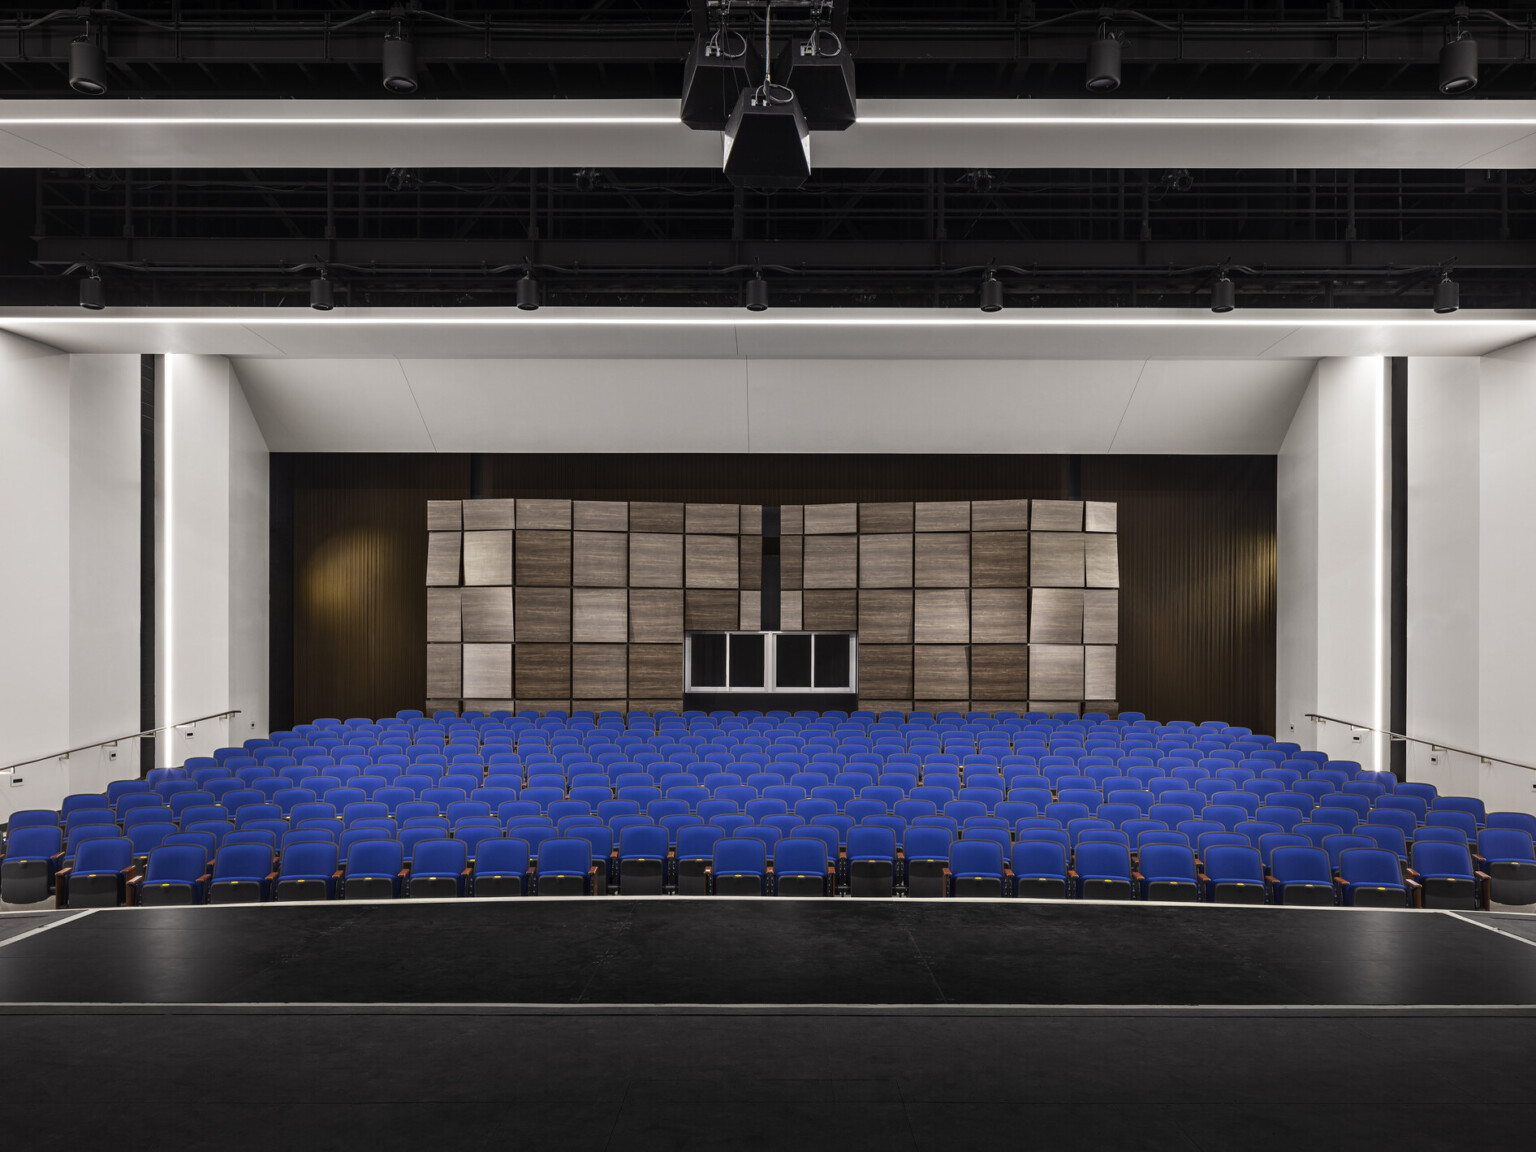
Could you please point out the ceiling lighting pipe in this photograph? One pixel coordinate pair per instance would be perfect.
(757, 294)
(1223, 295)
(87, 67)
(1447, 295)
(1103, 74)
(399, 64)
(321, 298)
(528, 293)
(1458, 66)
(991, 294)
(93, 293)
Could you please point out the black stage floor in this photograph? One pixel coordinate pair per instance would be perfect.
(673, 1023)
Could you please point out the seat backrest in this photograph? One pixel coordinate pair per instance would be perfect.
(1438, 859)
(565, 856)
(375, 857)
(1039, 858)
(1370, 866)
(1230, 862)
(928, 843)
(1304, 864)
(1523, 821)
(695, 842)
(178, 862)
(1494, 844)
(108, 854)
(309, 858)
(440, 858)
(801, 856)
(976, 858)
(741, 856)
(1167, 862)
(645, 842)
(1103, 861)
(502, 857)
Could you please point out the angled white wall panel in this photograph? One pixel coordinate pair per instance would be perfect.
(1212, 406)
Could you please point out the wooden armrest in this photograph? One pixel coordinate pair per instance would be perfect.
(1137, 877)
(1341, 882)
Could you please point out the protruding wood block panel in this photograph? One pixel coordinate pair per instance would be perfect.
(885, 617)
(792, 519)
(443, 558)
(1000, 515)
(942, 516)
(712, 519)
(1000, 671)
(887, 517)
(554, 515)
(600, 670)
(1057, 516)
(488, 616)
(655, 561)
(941, 671)
(1056, 559)
(543, 671)
(445, 670)
(599, 615)
(656, 670)
(885, 561)
(885, 670)
(599, 559)
(1019, 705)
(506, 704)
(445, 515)
(878, 706)
(543, 615)
(1101, 616)
(942, 560)
(443, 615)
(831, 562)
(1056, 616)
(1102, 561)
(751, 519)
(656, 616)
(941, 616)
(791, 562)
(490, 515)
(999, 616)
(1099, 516)
(792, 611)
(488, 670)
(578, 704)
(543, 559)
(711, 561)
(937, 706)
(833, 611)
(751, 561)
(648, 516)
(600, 515)
(751, 611)
(710, 610)
(1099, 672)
(1052, 707)
(1055, 672)
(1000, 559)
(487, 558)
(537, 705)
(433, 706)
(831, 519)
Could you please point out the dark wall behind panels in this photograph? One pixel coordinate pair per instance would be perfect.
(1197, 555)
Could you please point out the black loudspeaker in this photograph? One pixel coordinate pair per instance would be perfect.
(767, 145)
(825, 87)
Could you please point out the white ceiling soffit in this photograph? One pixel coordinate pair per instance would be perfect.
(383, 405)
(704, 333)
(648, 134)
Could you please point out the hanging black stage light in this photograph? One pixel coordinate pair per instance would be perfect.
(93, 293)
(87, 67)
(1458, 65)
(991, 294)
(528, 292)
(399, 64)
(757, 294)
(320, 296)
(767, 143)
(1223, 295)
(1103, 74)
(1447, 295)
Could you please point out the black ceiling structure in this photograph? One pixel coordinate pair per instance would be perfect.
(857, 238)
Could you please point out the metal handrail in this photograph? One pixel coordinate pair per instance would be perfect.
(1432, 745)
(65, 755)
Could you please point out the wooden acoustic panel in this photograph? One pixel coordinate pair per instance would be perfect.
(445, 515)
(600, 670)
(655, 671)
(885, 561)
(877, 705)
(751, 561)
(443, 609)
(1055, 672)
(792, 611)
(999, 615)
(506, 704)
(1056, 559)
(445, 670)
(937, 706)
(1101, 616)
(490, 515)
(791, 562)
(435, 706)
(942, 516)
(751, 611)
(443, 558)
(534, 704)
(941, 560)
(885, 670)
(488, 670)
(999, 515)
(580, 704)
(941, 670)
(830, 611)
(543, 559)
(599, 615)
(1000, 672)
(941, 616)
(711, 610)
(831, 519)
(1056, 616)
(885, 617)
(648, 516)
(655, 616)
(655, 560)
(1057, 516)
(792, 519)
(543, 615)
(1000, 559)
(831, 562)
(1099, 516)
(711, 561)
(712, 519)
(751, 519)
(487, 558)
(488, 617)
(888, 517)
(543, 671)
(1099, 672)
(554, 515)
(599, 559)
(600, 515)
(1101, 555)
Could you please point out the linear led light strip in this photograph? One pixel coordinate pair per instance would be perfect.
(1084, 121)
(783, 320)
(168, 519)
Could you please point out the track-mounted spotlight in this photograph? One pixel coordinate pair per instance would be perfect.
(1103, 73)
(757, 294)
(1447, 295)
(399, 63)
(87, 67)
(528, 292)
(1223, 295)
(93, 293)
(1458, 65)
(321, 298)
(991, 294)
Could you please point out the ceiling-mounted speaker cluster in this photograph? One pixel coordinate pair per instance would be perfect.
(767, 143)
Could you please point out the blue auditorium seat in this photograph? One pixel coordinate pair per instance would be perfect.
(1371, 878)
(1302, 875)
(976, 868)
(740, 866)
(1234, 874)
(801, 868)
(1167, 872)
(565, 868)
(374, 870)
(1103, 871)
(501, 868)
(439, 869)
(100, 873)
(309, 871)
(176, 874)
(1507, 855)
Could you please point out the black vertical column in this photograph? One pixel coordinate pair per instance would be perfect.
(1398, 579)
(280, 592)
(772, 615)
(147, 554)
